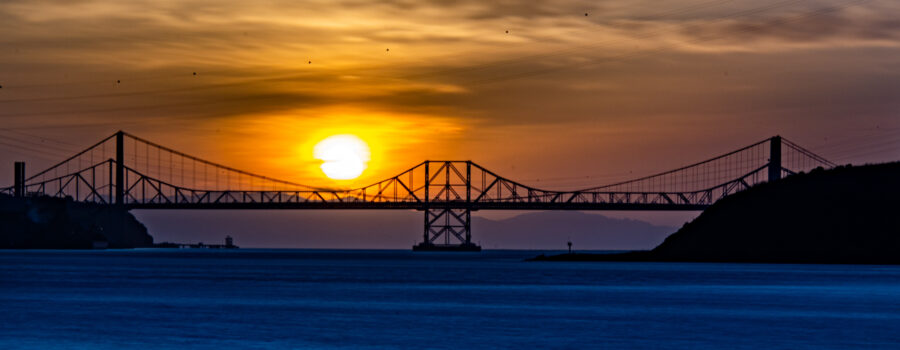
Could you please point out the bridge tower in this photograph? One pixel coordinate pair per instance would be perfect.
(443, 223)
(774, 158)
(19, 184)
(120, 167)
(448, 216)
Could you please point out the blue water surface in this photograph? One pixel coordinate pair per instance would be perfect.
(274, 299)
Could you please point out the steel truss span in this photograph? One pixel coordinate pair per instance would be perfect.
(126, 170)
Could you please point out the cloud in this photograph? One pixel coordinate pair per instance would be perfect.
(827, 27)
(663, 68)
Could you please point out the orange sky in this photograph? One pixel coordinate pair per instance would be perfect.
(633, 88)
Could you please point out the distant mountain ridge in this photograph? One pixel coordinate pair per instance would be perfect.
(380, 229)
(552, 229)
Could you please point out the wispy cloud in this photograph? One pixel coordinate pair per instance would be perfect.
(502, 71)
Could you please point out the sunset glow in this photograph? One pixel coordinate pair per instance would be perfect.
(516, 86)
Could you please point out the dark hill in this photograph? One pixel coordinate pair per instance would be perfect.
(55, 223)
(842, 215)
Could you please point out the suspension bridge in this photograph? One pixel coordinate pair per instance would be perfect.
(134, 173)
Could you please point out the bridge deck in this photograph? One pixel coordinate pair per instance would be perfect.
(419, 206)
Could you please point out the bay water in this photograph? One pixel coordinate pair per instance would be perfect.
(359, 299)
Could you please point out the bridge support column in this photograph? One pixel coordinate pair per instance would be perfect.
(120, 167)
(447, 229)
(775, 158)
(19, 184)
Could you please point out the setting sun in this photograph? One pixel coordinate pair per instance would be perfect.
(344, 157)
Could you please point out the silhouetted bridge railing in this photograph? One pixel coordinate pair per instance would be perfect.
(138, 174)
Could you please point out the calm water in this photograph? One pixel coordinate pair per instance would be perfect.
(151, 299)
